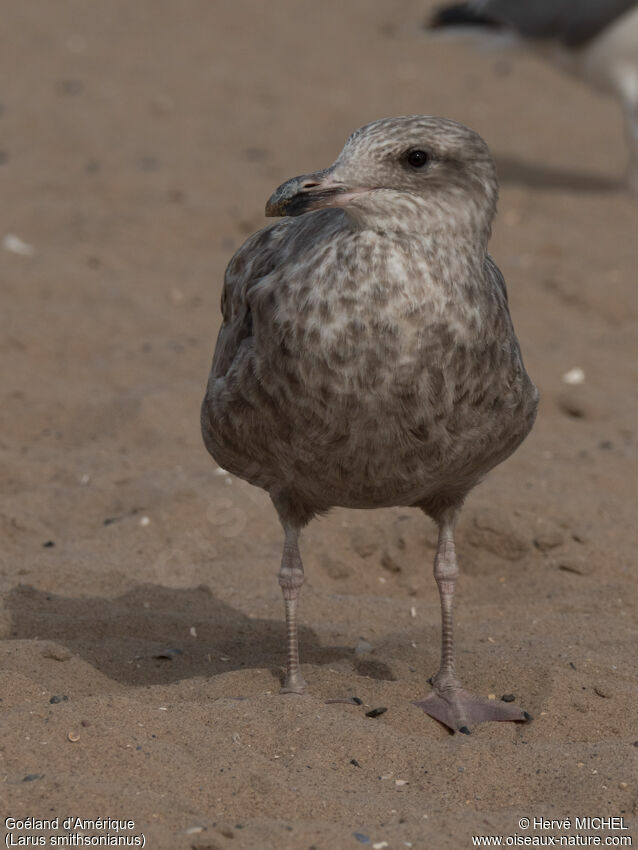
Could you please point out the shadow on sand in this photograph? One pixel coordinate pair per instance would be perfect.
(516, 171)
(123, 637)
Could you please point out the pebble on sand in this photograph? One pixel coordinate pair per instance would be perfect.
(363, 646)
(169, 654)
(14, 245)
(574, 376)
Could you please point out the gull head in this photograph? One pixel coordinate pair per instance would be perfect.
(413, 166)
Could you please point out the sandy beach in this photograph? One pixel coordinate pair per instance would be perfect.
(141, 624)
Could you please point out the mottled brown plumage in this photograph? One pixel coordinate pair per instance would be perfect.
(367, 356)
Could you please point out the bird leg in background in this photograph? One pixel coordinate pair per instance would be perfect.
(632, 131)
(291, 578)
(630, 105)
(449, 703)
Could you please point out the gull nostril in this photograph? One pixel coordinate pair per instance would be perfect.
(309, 184)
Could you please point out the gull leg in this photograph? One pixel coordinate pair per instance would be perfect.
(291, 578)
(448, 702)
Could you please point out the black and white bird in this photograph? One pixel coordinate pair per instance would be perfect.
(367, 357)
(596, 40)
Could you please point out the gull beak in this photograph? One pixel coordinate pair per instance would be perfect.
(305, 194)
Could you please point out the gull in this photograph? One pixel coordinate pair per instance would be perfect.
(596, 40)
(367, 357)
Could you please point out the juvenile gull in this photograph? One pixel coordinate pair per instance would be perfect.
(597, 40)
(367, 357)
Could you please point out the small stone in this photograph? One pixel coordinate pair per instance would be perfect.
(376, 712)
(227, 832)
(49, 544)
(508, 697)
(621, 785)
(574, 377)
(363, 646)
(14, 245)
(57, 698)
(361, 838)
(355, 762)
(169, 654)
(144, 521)
(31, 777)
(602, 692)
(491, 696)
(194, 830)
(400, 782)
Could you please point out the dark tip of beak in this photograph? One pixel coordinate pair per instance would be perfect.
(283, 197)
(301, 195)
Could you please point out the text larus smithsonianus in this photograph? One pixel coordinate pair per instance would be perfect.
(367, 357)
(596, 40)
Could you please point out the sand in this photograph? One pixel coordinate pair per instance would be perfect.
(139, 144)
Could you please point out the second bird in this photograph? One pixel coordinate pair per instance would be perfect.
(367, 357)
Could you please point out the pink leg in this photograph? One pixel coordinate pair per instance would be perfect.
(449, 702)
(291, 578)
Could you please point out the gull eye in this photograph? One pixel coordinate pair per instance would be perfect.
(417, 158)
